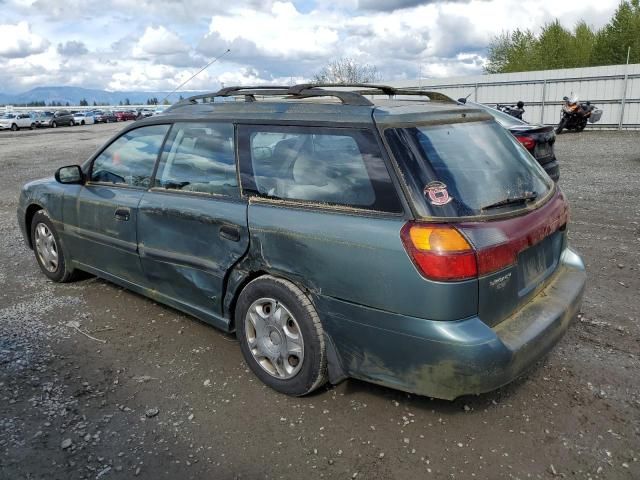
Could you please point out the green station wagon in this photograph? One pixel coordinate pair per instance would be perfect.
(388, 235)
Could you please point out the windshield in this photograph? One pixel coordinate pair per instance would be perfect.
(464, 169)
(8, 115)
(502, 118)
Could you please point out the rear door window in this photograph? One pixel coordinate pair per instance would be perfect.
(320, 165)
(466, 169)
(130, 159)
(199, 157)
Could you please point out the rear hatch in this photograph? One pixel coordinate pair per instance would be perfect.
(476, 177)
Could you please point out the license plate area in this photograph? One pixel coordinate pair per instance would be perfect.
(536, 263)
(543, 150)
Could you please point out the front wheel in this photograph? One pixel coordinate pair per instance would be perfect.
(33, 126)
(281, 336)
(561, 126)
(54, 125)
(14, 127)
(82, 122)
(72, 123)
(46, 246)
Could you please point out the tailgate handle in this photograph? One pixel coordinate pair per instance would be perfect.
(123, 213)
(230, 232)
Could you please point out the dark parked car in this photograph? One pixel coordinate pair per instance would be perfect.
(124, 115)
(539, 140)
(106, 116)
(409, 243)
(56, 119)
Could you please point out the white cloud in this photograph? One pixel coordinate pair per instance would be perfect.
(280, 32)
(157, 44)
(17, 41)
(159, 41)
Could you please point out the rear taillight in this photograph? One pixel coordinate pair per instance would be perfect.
(443, 253)
(440, 252)
(528, 142)
(468, 250)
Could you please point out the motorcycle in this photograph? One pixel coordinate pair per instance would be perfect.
(515, 111)
(576, 115)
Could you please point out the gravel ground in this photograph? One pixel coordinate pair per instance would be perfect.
(165, 396)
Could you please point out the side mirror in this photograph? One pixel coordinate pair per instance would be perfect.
(462, 100)
(71, 174)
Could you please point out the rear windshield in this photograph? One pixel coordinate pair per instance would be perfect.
(466, 169)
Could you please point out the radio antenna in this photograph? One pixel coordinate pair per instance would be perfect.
(196, 74)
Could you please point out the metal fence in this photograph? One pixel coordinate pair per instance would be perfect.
(615, 89)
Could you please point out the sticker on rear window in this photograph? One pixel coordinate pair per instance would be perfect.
(437, 193)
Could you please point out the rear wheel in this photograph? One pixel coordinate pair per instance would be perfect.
(72, 123)
(54, 125)
(82, 122)
(33, 126)
(281, 336)
(46, 246)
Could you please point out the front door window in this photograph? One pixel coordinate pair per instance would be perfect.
(130, 159)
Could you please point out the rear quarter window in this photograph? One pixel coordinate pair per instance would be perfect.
(321, 165)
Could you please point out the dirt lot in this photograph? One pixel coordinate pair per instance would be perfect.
(169, 397)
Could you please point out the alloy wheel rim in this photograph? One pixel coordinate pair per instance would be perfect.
(274, 338)
(46, 247)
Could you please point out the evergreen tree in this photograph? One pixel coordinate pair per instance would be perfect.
(582, 44)
(557, 47)
(553, 48)
(622, 32)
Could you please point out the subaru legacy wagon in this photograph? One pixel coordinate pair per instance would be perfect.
(387, 235)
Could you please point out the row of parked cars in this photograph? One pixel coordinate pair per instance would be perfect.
(17, 120)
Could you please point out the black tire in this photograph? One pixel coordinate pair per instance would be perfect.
(33, 126)
(62, 273)
(312, 372)
(14, 127)
(82, 122)
(54, 125)
(561, 126)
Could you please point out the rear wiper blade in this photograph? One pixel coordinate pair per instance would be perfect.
(526, 197)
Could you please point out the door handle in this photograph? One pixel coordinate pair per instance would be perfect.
(123, 214)
(230, 232)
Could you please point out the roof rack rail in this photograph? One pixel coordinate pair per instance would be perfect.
(369, 89)
(310, 90)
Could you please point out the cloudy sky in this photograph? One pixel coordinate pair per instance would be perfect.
(157, 44)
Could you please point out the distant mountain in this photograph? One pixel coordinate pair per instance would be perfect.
(73, 96)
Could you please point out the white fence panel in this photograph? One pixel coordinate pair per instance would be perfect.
(542, 91)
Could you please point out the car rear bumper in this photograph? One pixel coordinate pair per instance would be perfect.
(450, 359)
